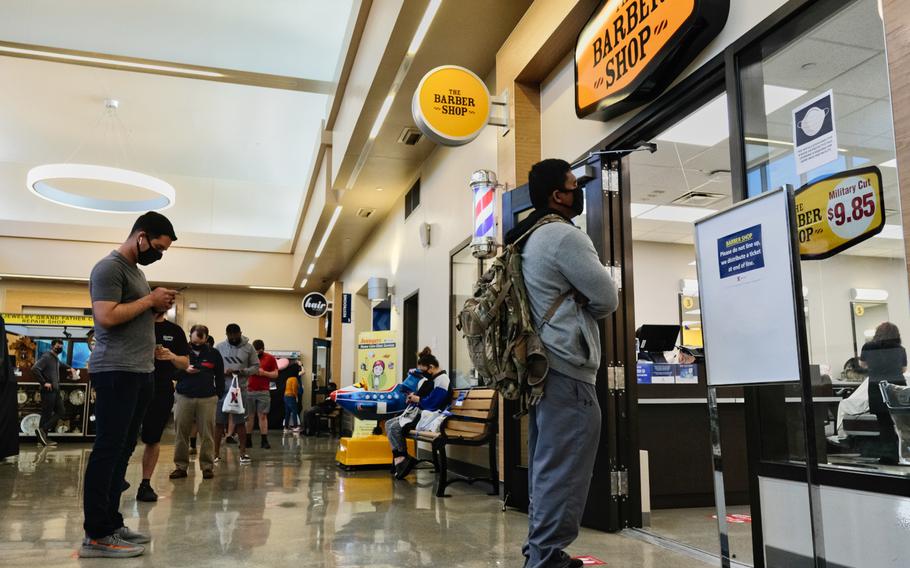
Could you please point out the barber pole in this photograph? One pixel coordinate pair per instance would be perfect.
(483, 184)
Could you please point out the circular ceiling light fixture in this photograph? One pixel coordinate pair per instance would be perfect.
(49, 181)
(41, 179)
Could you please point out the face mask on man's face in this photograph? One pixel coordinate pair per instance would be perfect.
(58, 350)
(578, 201)
(148, 256)
(235, 341)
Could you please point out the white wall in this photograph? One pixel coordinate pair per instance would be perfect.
(563, 135)
(657, 270)
(861, 530)
(394, 251)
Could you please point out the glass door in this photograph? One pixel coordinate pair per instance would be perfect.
(615, 484)
(322, 366)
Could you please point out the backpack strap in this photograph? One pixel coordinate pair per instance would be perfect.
(555, 306)
(545, 220)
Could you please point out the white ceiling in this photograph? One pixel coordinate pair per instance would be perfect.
(239, 156)
(298, 38)
(846, 54)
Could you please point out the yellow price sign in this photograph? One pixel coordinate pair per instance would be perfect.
(838, 212)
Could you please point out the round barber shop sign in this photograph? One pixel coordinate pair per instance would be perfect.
(451, 105)
(315, 305)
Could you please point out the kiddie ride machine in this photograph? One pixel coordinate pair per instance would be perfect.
(367, 448)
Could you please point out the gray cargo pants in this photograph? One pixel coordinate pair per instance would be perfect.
(563, 437)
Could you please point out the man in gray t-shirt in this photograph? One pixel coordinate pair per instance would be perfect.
(121, 371)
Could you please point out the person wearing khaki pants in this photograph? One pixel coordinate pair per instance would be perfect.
(198, 389)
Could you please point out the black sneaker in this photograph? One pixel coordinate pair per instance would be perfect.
(405, 467)
(125, 487)
(264, 444)
(146, 493)
(231, 440)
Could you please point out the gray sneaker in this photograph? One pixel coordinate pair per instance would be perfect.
(109, 547)
(126, 534)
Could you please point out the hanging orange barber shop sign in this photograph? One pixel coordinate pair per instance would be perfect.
(631, 50)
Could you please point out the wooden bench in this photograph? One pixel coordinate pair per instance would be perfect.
(473, 422)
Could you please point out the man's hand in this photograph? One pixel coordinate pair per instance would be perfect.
(581, 299)
(192, 370)
(164, 354)
(48, 386)
(413, 398)
(162, 299)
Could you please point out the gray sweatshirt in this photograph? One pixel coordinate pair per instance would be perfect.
(558, 257)
(241, 359)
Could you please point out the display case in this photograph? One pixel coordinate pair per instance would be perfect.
(75, 403)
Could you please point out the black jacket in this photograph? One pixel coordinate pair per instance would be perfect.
(209, 380)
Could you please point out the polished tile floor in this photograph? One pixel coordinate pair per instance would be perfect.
(291, 507)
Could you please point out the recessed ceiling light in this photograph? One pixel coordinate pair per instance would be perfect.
(113, 62)
(676, 214)
(303, 282)
(36, 277)
(380, 189)
(692, 263)
(807, 66)
(279, 288)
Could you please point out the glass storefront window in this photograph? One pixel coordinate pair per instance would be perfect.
(465, 270)
(852, 293)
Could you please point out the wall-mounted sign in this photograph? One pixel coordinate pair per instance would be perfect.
(814, 135)
(631, 50)
(839, 211)
(451, 105)
(48, 319)
(345, 308)
(314, 305)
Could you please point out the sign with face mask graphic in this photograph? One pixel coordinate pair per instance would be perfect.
(315, 305)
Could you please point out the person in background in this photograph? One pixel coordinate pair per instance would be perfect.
(199, 387)
(239, 359)
(47, 371)
(886, 360)
(259, 397)
(435, 394)
(569, 289)
(291, 416)
(169, 360)
(327, 405)
(121, 367)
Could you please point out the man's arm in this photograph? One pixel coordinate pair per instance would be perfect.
(39, 369)
(271, 373)
(252, 367)
(578, 262)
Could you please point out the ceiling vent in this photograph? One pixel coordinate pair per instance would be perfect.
(698, 199)
(365, 213)
(410, 136)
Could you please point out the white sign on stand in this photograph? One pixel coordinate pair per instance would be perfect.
(746, 284)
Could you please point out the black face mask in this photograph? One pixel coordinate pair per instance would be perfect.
(146, 257)
(234, 342)
(58, 350)
(578, 200)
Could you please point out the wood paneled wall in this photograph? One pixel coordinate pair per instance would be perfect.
(896, 14)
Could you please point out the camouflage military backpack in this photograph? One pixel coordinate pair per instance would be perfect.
(499, 329)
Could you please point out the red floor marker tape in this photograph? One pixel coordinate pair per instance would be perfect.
(736, 519)
(590, 560)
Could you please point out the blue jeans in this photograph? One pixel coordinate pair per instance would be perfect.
(120, 403)
(291, 417)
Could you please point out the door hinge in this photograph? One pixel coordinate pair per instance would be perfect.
(619, 483)
(610, 179)
(616, 377)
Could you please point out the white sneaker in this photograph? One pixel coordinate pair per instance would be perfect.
(216, 461)
(246, 459)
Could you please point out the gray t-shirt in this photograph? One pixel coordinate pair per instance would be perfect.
(128, 347)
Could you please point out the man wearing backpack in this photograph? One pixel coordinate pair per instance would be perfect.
(568, 289)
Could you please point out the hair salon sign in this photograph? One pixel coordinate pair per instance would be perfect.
(631, 50)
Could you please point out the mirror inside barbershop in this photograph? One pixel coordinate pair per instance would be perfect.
(847, 297)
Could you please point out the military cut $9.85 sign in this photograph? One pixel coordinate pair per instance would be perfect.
(838, 212)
